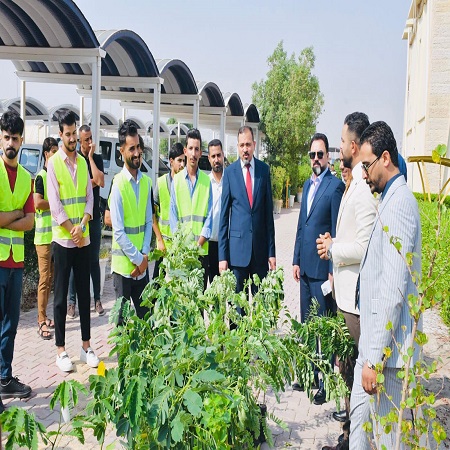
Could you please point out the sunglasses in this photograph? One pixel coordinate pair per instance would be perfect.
(366, 167)
(312, 155)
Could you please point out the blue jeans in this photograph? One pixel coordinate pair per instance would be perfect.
(10, 295)
(95, 235)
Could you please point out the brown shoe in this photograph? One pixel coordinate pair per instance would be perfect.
(99, 308)
(71, 314)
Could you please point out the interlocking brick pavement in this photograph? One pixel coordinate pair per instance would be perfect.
(309, 426)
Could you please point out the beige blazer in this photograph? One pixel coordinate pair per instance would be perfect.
(354, 224)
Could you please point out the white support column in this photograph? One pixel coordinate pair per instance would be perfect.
(23, 100)
(223, 119)
(124, 114)
(156, 115)
(96, 86)
(82, 113)
(196, 112)
(258, 142)
(178, 132)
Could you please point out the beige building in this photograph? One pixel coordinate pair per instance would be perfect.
(427, 100)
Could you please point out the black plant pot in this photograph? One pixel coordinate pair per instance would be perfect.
(261, 438)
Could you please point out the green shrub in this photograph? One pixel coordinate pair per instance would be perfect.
(30, 273)
(430, 243)
(434, 197)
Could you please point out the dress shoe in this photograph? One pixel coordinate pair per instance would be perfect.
(320, 397)
(298, 387)
(340, 416)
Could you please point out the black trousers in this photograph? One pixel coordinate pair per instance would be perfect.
(213, 264)
(131, 289)
(65, 260)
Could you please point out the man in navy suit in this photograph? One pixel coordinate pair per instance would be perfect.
(322, 195)
(246, 230)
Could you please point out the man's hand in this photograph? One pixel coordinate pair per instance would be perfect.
(135, 272)
(369, 379)
(296, 272)
(160, 245)
(323, 244)
(91, 150)
(77, 235)
(272, 263)
(223, 265)
(144, 264)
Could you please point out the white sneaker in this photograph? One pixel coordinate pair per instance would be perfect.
(89, 357)
(63, 362)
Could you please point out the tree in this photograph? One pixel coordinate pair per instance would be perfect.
(289, 103)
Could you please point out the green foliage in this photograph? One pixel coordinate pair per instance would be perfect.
(279, 178)
(304, 172)
(30, 272)
(289, 102)
(182, 382)
(434, 198)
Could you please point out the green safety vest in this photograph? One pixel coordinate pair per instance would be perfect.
(73, 198)
(43, 218)
(10, 201)
(133, 218)
(193, 211)
(164, 208)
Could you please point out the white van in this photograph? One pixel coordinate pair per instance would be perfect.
(30, 157)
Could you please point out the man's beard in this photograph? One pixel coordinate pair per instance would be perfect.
(317, 169)
(11, 153)
(218, 169)
(347, 161)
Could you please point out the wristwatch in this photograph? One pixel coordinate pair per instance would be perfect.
(329, 254)
(83, 227)
(370, 365)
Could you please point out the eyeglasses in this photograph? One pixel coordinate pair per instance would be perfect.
(367, 167)
(312, 155)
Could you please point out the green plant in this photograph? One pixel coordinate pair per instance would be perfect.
(304, 173)
(30, 272)
(279, 177)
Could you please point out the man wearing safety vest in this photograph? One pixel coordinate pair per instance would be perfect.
(191, 198)
(16, 216)
(71, 201)
(130, 205)
(162, 195)
(43, 239)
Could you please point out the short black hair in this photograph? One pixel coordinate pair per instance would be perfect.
(245, 128)
(357, 122)
(128, 128)
(193, 133)
(176, 150)
(381, 138)
(319, 137)
(48, 144)
(84, 128)
(215, 143)
(12, 122)
(66, 117)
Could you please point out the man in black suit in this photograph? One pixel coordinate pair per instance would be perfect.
(322, 195)
(246, 230)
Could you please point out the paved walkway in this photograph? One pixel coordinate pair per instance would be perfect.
(310, 426)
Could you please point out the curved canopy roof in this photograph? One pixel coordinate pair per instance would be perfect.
(138, 122)
(178, 78)
(173, 128)
(210, 93)
(34, 109)
(106, 120)
(234, 103)
(55, 111)
(163, 129)
(251, 113)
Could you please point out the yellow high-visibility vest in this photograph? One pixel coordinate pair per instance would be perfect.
(43, 218)
(164, 208)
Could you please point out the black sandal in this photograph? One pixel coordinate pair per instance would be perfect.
(44, 334)
(50, 323)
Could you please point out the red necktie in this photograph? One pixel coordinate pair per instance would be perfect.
(248, 185)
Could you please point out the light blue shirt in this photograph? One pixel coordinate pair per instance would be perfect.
(315, 183)
(134, 254)
(173, 214)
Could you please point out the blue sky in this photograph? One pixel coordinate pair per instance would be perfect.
(360, 56)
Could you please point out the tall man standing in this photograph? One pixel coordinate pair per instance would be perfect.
(191, 198)
(16, 216)
(216, 157)
(385, 284)
(130, 206)
(346, 250)
(97, 177)
(162, 196)
(318, 215)
(246, 230)
(71, 200)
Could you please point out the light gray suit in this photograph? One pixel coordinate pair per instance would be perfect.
(385, 284)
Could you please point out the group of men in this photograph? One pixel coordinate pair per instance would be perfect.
(341, 243)
(344, 256)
